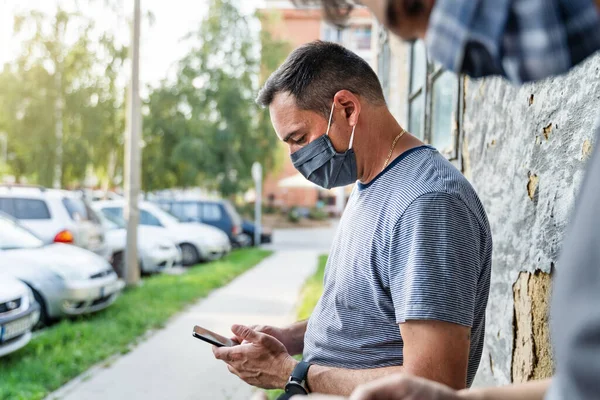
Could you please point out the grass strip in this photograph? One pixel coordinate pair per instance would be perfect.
(67, 349)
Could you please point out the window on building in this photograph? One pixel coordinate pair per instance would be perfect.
(417, 90)
(443, 112)
(433, 106)
(361, 37)
(383, 63)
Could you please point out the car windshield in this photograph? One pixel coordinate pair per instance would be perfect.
(113, 221)
(166, 218)
(13, 236)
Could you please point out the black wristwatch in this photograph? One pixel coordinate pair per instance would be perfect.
(297, 382)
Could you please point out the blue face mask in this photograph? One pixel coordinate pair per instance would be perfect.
(321, 164)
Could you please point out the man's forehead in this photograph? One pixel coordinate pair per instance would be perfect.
(285, 114)
(284, 101)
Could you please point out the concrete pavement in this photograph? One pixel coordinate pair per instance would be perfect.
(171, 364)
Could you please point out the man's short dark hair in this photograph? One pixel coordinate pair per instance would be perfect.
(315, 72)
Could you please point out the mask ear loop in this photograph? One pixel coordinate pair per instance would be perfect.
(352, 137)
(330, 117)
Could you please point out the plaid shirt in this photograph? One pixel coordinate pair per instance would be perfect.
(522, 40)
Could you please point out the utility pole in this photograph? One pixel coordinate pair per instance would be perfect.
(58, 127)
(4, 140)
(257, 175)
(132, 155)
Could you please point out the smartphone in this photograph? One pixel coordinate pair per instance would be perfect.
(211, 337)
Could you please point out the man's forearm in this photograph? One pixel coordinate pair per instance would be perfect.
(535, 390)
(343, 381)
(295, 335)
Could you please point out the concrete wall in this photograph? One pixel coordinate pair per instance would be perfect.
(524, 150)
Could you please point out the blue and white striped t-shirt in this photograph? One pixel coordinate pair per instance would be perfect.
(413, 244)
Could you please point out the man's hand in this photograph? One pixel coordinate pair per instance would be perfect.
(278, 333)
(261, 360)
(398, 387)
(404, 387)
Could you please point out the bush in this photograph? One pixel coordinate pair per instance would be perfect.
(294, 215)
(317, 214)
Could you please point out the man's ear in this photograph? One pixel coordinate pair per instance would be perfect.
(349, 104)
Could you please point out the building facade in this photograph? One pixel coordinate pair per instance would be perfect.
(524, 149)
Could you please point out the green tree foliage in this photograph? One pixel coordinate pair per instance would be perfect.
(205, 128)
(64, 83)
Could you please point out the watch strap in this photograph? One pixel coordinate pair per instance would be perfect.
(300, 372)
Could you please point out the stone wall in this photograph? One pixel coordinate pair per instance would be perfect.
(524, 150)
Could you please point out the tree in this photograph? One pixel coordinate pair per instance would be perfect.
(208, 130)
(63, 109)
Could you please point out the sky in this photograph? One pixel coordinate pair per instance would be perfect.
(161, 44)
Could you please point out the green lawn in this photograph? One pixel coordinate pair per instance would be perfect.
(69, 348)
(311, 292)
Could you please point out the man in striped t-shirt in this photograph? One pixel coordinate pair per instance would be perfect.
(407, 281)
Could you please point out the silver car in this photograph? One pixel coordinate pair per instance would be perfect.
(156, 250)
(55, 216)
(19, 312)
(198, 242)
(66, 280)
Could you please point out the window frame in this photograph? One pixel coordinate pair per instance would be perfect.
(384, 61)
(432, 73)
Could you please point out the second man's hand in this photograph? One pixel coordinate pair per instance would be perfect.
(261, 360)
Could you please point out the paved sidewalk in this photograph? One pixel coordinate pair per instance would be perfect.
(172, 364)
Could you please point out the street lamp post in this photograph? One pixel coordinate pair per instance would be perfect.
(133, 155)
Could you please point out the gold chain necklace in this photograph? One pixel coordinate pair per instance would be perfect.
(387, 161)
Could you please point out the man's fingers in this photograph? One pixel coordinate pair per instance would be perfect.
(391, 387)
(233, 370)
(247, 334)
(227, 354)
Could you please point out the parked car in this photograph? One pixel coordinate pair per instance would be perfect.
(198, 242)
(156, 250)
(19, 312)
(65, 280)
(218, 213)
(55, 216)
(248, 228)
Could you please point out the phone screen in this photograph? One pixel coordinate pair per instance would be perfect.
(211, 337)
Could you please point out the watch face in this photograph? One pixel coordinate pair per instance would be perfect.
(293, 388)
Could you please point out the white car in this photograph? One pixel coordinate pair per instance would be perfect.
(55, 216)
(65, 280)
(198, 242)
(156, 250)
(19, 312)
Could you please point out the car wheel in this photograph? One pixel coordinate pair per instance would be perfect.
(247, 240)
(44, 318)
(189, 255)
(118, 264)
